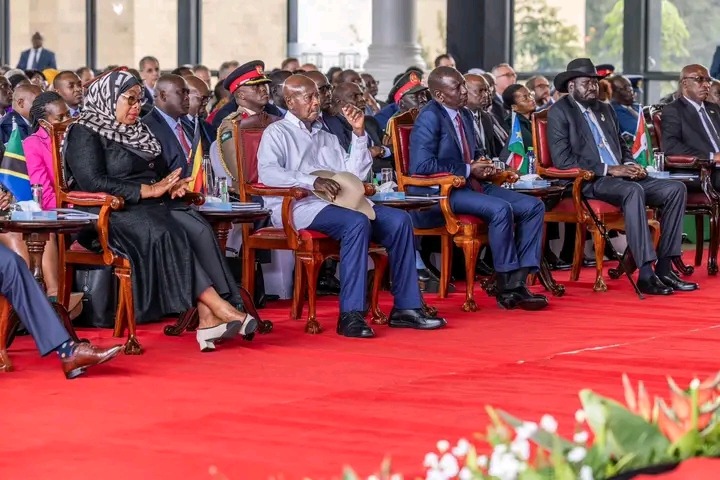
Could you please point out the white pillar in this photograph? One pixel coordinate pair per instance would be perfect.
(394, 44)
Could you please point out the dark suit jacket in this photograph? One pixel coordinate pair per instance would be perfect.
(149, 100)
(376, 135)
(172, 151)
(571, 141)
(339, 127)
(493, 146)
(683, 132)
(6, 126)
(385, 113)
(498, 109)
(232, 105)
(434, 145)
(627, 121)
(715, 66)
(46, 60)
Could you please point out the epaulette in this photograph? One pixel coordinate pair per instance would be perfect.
(221, 137)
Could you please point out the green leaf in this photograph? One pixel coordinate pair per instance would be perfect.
(687, 446)
(548, 441)
(620, 433)
(349, 474)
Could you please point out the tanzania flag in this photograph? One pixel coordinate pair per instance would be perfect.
(642, 143)
(13, 170)
(197, 184)
(517, 148)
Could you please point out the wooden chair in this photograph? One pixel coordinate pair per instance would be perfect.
(573, 210)
(468, 232)
(73, 254)
(701, 202)
(400, 129)
(311, 248)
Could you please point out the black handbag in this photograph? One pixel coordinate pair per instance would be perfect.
(99, 287)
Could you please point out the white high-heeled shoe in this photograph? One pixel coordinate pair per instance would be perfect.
(206, 337)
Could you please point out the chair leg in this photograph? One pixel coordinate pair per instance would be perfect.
(579, 253)
(471, 247)
(312, 264)
(299, 291)
(714, 241)
(445, 264)
(376, 315)
(599, 242)
(248, 270)
(67, 272)
(699, 234)
(5, 363)
(126, 310)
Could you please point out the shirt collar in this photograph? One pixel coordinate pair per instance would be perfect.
(697, 106)
(293, 120)
(172, 123)
(452, 113)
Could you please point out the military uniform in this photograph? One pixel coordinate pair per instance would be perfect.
(222, 151)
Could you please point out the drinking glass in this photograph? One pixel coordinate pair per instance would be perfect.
(386, 175)
(659, 161)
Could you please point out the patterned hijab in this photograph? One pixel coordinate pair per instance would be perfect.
(98, 114)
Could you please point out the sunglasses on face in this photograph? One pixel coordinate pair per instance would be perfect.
(132, 100)
(699, 80)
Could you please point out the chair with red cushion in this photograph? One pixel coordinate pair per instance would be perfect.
(701, 202)
(469, 233)
(311, 248)
(573, 210)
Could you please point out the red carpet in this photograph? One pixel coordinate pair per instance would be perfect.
(290, 405)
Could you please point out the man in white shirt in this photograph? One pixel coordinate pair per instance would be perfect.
(290, 151)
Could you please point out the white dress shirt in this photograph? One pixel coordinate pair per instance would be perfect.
(33, 57)
(289, 154)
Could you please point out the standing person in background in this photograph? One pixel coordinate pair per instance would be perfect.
(149, 72)
(37, 57)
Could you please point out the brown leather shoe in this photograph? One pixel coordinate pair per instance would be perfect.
(86, 355)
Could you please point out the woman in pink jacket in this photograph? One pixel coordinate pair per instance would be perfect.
(51, 108)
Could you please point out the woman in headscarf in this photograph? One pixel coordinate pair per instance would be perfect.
(175, 259)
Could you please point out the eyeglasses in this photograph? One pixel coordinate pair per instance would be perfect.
(203, 98)
(699, 80)
(325, 88)
(131, 100)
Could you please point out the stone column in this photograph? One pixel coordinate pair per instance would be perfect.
(394, 44)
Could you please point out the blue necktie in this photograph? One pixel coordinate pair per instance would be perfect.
(605, 155)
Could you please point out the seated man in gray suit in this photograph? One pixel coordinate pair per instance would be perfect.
(584, 133)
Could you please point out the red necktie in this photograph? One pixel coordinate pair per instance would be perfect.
(463, 139)
(183, 140)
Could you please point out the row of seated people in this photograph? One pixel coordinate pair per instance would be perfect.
(584, 134)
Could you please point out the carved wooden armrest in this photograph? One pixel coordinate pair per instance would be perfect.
(434, 180)
(370, 189)
(292, 194)
(266, 191)
(107, 204)
(508, 176)
(576, 173)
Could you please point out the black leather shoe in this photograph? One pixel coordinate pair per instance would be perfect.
(560, 265)
(424, 275)
(328, 285)
(676, 283)
(521, 298)
(589, 262)
(414, 318)
(654, 286)
(352, 324)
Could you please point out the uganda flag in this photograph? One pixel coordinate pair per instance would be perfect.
(13, 170)
(197, 169)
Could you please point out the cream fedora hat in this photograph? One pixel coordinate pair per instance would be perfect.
(351, 195)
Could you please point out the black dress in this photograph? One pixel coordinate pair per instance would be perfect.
(172, 250)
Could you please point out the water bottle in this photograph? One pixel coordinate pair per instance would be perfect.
(530, 157)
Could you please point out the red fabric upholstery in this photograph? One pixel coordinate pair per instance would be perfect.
(404, 135)
(250, 144)
(697, 198)
(566, 205)
(311, 234)
(470, 219)
(76, 247)
(434, 175)
(543, 147)
(657, 126)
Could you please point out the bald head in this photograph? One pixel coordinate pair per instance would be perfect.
(172, 95)
(695, 83)
(199, 96)
(324, 89)
(23, 97)
(347, 93)
(448, 87)
(302, 98)
(478, 92)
